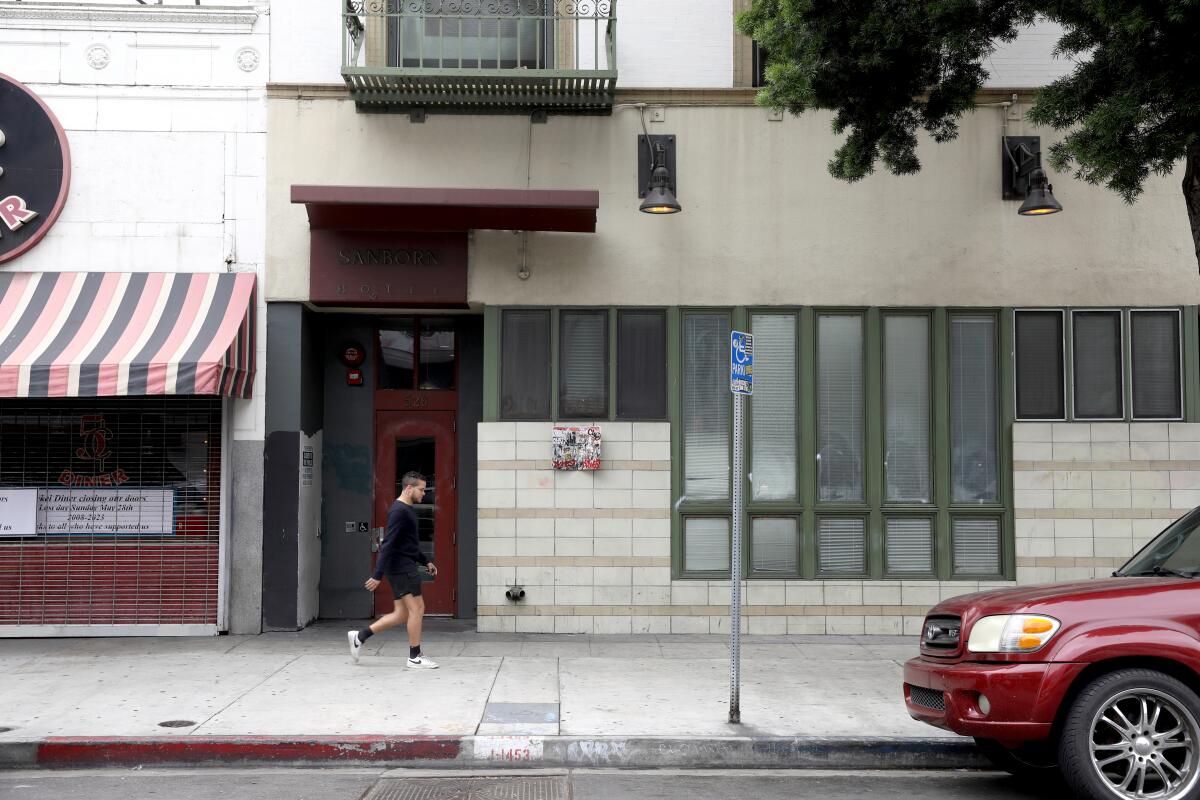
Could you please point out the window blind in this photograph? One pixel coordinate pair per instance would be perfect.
(840, 407)
(1096, 353)
(706, 544)
(773, 404)
(976, 546)
(973, 410)
(909, 545)
(906, 408)
(641, 364)
(706, 405)
(525, 365)
(1039, 344)
(775, 544)
(1155, 355)
(583, 364)
(842, 545)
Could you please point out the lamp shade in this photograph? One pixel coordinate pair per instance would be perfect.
(1039, 200)
(660, 200)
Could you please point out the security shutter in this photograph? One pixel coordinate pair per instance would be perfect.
(126, 530)
(842, 545)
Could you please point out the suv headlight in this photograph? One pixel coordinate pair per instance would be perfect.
(1012, 633)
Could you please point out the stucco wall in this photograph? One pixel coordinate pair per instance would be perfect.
(763, 222)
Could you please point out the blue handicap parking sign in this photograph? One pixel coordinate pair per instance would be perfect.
(741, 362)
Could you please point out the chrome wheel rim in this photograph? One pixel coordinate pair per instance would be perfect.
(1143, 745)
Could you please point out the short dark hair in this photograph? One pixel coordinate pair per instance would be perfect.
(411, 479)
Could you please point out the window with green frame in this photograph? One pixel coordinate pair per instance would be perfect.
(872, 444)
(581, 363)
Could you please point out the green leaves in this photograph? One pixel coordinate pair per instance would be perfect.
(889, 69)
(886, 68)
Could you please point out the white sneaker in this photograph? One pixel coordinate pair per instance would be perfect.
(422, 662)
(355, 644)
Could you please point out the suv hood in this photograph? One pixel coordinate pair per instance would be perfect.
(1048, 597)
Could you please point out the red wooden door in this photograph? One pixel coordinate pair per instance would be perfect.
(423, 441)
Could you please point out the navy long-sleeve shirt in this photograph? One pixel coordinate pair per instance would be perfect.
(401, 547)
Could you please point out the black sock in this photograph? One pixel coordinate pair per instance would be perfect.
(364, 634)
(414, 652)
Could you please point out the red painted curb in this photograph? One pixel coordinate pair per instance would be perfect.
(62, 751)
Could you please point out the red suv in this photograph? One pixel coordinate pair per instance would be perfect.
(1099, 679)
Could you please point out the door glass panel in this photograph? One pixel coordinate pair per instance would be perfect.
(419, 454)
(437, 354)
(396, 357)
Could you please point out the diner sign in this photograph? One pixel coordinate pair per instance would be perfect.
(18, 512)
(143, 512)
(35, 168)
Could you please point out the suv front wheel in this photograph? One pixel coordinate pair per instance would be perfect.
(1132, 734)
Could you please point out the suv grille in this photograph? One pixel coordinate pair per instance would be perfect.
(941, 635)
(927, 697)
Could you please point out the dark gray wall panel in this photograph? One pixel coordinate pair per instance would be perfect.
(470, 413)
(348, 473)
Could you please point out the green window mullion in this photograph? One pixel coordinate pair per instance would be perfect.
(612, 363)
(1127, 362)
(873, 438)
(941, 441)
(555, 349)
(1007, 414)
(1191, 365)
(675, 413)
(807, 452)
(1068, 367)
(491, 364)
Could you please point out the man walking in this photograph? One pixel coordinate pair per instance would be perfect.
(399, 556)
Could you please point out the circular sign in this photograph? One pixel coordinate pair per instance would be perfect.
(353, 354)
(35, 168)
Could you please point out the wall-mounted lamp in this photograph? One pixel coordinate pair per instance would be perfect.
(1023, 177)
(656, 174)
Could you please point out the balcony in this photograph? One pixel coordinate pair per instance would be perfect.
(480, 56)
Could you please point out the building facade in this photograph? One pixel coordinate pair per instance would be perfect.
(130, 300)
(948, 397)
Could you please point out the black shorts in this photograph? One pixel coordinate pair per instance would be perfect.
(403, 583)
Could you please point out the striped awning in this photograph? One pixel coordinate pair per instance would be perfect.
(92, 334)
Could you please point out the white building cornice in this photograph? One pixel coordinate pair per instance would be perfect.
(159, 19)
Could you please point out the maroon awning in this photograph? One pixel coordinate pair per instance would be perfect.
(380, 208)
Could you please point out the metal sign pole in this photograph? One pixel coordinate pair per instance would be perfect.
(735, 578)
(741, 383)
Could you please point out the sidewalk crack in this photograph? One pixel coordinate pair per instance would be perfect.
(237, 699)
(486, 700)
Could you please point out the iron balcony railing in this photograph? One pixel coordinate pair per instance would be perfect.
(480, 55)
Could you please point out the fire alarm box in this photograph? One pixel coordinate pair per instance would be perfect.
(353, 354)
(354, 377)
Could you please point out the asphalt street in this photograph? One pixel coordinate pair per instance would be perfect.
(352, 784)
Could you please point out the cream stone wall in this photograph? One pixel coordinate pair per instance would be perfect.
(593, 551)
(1088, 495)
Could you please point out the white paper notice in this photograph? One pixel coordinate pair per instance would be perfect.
(147, 512)
(18, 512)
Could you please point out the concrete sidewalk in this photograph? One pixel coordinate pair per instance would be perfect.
(639, 701)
